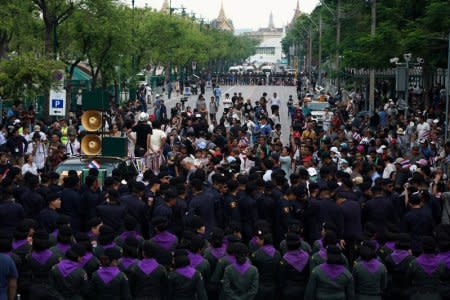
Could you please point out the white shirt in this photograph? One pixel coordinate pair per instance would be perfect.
(423, 130)
(227, 103)
(156, 139)
(275, 101)
(29, 168)
(73, 148)
(40, 155)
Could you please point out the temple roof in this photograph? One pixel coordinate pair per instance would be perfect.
(222, 22)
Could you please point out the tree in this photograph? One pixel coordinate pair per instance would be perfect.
(26, 75)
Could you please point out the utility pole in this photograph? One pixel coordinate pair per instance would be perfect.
(372, 71)
(338, 42)
(319, 61)
(310, 53)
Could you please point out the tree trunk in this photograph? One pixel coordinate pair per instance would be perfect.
(427, 77)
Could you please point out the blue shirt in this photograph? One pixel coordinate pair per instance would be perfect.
(7, 271)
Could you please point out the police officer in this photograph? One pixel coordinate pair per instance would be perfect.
(240, 279)
(109, 282)
(135, 206)
(294, 269)
(185, 282)
(266, 259)
(202, 204)
(48, 217)
(231, 205)
(112, 212)
(67, 278)
(148, 279)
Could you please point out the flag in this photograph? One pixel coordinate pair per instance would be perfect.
(94, 165)
(405, 164)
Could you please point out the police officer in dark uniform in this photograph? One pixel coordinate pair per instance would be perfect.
(286, 214)
(148, 279)
(71, 201)
(89, 200)
(112, 212)
(185, 282)
(266, 259)
(202, 204)
(216, 191)
(67, 278)
(135, 206)
(231, 205)
(48, 217)
(11, 213)
(109, 282)
(294, 269)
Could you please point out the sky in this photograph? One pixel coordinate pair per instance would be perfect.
(245, 14)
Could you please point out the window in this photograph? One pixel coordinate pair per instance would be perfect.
(265, 50)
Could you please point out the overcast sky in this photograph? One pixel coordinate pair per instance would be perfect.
(246, 14)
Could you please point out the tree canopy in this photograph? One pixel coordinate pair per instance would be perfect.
(103, 35)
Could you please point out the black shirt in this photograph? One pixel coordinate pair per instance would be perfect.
(142, 130)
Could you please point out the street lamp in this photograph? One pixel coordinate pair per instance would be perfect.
(402, 76)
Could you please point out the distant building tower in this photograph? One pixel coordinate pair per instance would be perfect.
(297, 14)
(222, 22)
(165, 7)
(271, 24)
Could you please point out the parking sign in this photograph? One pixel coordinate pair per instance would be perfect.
(57, 105)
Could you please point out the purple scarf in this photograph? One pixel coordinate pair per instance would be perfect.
(165, 240)
(107, 274)
(66, 267)
(242, 268)
(42, 256)
(332, 271)
(127, 261)
(323, 253)
(187, 271)
(195, 259)
(390, 245)
(320, 243)
(399, 255)
(297, 259)
(253, 241)
(371, 266)
(19, 243)
(218, 252)
(231, 259)
(428, 262)
(86, 258)
(129, 234)
(269, 250)
(148, 265)
(445, 258)
(63, 247)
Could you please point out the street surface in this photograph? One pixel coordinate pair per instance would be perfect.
(248, 92)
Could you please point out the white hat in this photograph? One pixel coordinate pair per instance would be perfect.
(143, 116)
(16, 121)
(312, 171)
(334, 150)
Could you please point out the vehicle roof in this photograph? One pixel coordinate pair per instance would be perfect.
(77, 160)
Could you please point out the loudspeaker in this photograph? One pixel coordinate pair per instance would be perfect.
(95, 100)
(92, 120)
(114, 146)
(91, 144)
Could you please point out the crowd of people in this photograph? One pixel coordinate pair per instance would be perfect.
(354, 207)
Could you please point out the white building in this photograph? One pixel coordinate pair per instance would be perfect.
(268, 52)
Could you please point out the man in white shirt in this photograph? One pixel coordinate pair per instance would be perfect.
(73, 147)
(227, 103)
(274, 103)
(423, 129)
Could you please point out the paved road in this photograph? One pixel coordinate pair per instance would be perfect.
(248, 92)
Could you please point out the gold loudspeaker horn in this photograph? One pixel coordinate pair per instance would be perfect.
(92, 120)
(91, 144)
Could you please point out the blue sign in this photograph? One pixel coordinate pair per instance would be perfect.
(57, 103)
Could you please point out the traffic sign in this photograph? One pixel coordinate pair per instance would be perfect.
(57, 102)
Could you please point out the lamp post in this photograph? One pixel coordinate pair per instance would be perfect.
(405, 86)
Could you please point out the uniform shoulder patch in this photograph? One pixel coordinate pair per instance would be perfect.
(286, 209)
(233, 204)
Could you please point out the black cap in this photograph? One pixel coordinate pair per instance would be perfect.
(50, 197)
(113, 253)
